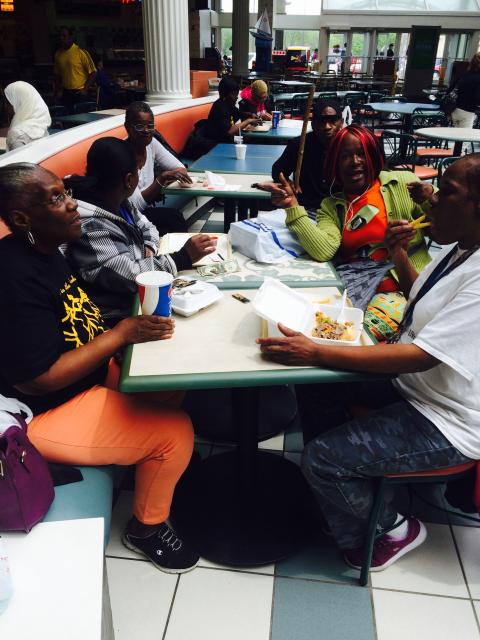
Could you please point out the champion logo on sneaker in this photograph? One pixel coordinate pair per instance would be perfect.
(164, 549)
(388, 550)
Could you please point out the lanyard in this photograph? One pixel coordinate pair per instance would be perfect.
(441, 270)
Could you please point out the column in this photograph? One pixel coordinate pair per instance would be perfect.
(473, 44)
(348, 58)
(372, 50)
(240, 34)
(165, 34)
(323, 49)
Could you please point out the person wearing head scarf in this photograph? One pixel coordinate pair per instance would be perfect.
(30, 115)
(254, 101)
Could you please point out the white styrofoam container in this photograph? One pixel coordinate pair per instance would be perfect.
(192, 299)
(276, 302)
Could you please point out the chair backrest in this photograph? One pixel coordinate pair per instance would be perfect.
(400, 149)
(84, 107)
(57, 110)
(355, 98)
(443, 166)
(327, 95)
(422, 119)
(377, 96)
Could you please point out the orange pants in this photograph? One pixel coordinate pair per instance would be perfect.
(102, 426)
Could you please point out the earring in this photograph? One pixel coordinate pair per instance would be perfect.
(30, 237)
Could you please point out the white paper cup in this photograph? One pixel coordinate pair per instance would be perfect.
(155, 292)
(238, 139)
(241, 151)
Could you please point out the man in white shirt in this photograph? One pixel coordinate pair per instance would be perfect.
(430, 415)
(157, 167)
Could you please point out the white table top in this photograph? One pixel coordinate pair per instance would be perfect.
(110, 112)
(455, 134)
(405, 108)
(236, 184)
(57, 573)
(219, 339)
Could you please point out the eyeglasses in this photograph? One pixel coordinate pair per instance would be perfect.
(144, 127)
(59, 199)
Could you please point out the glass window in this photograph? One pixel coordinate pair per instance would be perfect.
(302, 38)
(453, 5)
(402, 5)
(351, 5)
(226, 43)
(226, 6)
(302, 7)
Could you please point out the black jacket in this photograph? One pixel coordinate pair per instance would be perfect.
(468, 87)
(312, 183)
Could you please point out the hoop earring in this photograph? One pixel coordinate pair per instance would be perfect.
(30, 237)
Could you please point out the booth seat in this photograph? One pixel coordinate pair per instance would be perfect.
(63, 154)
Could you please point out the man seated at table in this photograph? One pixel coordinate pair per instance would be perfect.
(326, 121)
(428, 417)
(157, 167)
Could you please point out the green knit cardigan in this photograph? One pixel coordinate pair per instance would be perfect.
(323, 241)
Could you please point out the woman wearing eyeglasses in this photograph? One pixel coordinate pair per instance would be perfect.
(157, 167)
(54, 355)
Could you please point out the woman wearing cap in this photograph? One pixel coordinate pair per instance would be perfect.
(54, 356)
(352, 222)
(428, 417)
(254, 101)
(29, 113)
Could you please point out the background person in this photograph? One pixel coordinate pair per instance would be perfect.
(326, 122)
(225, 120)
(54, 354)
(29, 113)
(74, 71)
(468, 100)
(118, 242)
(157, 167)
(431, 413)
(254, 101)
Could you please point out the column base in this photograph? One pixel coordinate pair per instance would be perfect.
(155, 97)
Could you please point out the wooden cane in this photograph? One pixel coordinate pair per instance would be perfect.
(306, 117)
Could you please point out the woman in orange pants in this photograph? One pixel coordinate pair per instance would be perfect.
(54, 354)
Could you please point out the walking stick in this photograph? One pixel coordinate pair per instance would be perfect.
(298, 168)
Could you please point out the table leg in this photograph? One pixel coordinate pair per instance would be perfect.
(246, 507)
(229, 213)
(457, 148)
(243, 209)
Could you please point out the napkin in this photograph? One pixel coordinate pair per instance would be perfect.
(214, 180)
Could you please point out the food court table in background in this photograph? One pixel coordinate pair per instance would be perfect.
(452, 134)
(238, 193)
(286, 130)
(405, 109)
(259, 159)
(246, 507)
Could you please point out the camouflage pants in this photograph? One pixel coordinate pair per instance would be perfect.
(340, 465)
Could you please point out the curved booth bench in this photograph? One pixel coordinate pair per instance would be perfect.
(65, 153)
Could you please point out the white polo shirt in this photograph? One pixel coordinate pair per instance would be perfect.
(446, 325)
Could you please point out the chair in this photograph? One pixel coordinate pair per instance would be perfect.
(437, 475)
(377, 96)
(84, 107)
(327, 95)
(299, 103)
(403, 155)
(354, 99)
(57, 110)
(443, 166)
(433, 150)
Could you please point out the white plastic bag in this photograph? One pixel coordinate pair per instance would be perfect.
(263, 243)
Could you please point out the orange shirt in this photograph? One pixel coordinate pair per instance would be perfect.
(364, 228)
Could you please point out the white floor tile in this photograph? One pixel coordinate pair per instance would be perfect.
(197, 226)
(221, 605)
(140, 597)
(406, 615)
(120, 516)
(273, 444)
(432, 568)
(468, 541)
(477, 609)
(216, 216)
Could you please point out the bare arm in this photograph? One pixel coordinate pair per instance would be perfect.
(297, 349)
(74, 365)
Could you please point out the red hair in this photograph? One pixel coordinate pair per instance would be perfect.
(374, 155)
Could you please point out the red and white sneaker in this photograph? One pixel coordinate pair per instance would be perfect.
(387, 549)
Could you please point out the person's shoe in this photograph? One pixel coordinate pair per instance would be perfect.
(165, 549)
(388, 550)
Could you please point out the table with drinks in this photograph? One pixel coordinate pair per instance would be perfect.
(234, 505)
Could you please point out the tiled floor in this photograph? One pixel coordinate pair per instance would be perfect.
(431, 594)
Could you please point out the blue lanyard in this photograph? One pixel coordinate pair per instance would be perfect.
(441, 270)
(126, 216)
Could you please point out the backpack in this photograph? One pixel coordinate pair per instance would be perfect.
(448, 103)
(197, 143)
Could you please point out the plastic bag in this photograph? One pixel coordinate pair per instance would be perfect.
(264, 243)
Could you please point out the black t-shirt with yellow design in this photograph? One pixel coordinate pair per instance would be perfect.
(44, 314)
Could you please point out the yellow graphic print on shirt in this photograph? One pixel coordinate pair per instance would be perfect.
(82, 317)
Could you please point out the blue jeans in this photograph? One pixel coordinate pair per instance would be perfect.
(340, 464)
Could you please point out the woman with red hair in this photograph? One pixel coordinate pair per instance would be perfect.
(352, 222)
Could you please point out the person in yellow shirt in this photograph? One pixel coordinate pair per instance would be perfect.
(74, 71)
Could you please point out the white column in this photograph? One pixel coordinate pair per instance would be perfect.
(165, 34)
(240, 34)
(372, 50)
(323, 49)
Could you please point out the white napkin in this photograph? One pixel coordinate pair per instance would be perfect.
(214, 180)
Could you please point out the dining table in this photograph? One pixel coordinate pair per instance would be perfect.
(404, 109)
(259, 158)
(286, 130)
(244, 507)
(458, 135)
